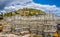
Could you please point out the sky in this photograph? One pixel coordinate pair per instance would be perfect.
(48, 2)
(52, 6)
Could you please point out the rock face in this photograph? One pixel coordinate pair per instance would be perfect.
(33, 24)
(32, 20)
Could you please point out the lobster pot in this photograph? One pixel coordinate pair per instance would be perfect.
(6, 29)
(17, 31)
(33, 26)
(17, 26)
(33, 31)
(13, 27)
(48, 27)
(13, 30)
(58, 26)
(48, 34)
(25, 28)
(39, 32)
(40, 27)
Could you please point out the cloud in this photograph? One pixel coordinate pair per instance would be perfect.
(4, 3)
(19, 4)
(46, 8)
(20, 1)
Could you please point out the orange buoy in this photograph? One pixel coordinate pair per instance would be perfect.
(55, 35)
(1, 28)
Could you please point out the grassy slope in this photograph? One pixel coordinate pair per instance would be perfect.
(28, 12)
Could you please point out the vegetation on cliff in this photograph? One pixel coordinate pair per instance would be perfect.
(25, 12)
